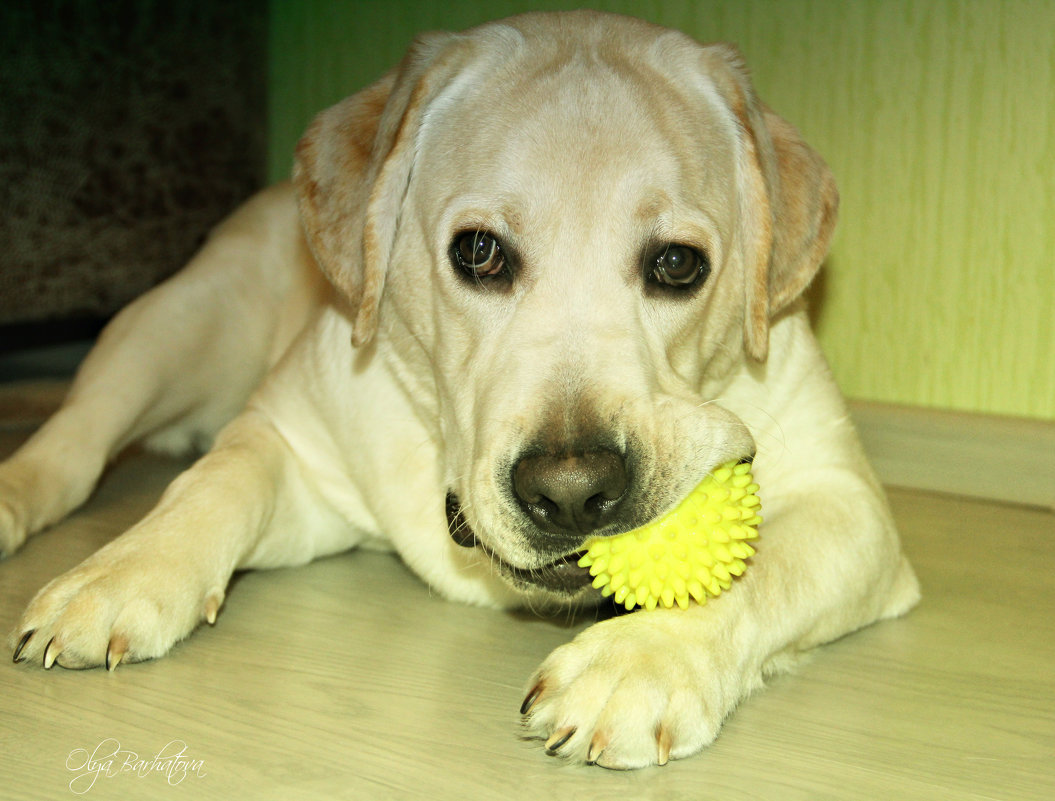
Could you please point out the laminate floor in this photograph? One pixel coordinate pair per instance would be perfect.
(348, 679)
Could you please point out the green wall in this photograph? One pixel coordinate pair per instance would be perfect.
(938, 118)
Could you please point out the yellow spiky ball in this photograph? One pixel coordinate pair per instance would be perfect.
(692, 552)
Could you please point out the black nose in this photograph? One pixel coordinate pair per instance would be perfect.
(574, 494)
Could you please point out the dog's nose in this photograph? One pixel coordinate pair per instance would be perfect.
(571, 494)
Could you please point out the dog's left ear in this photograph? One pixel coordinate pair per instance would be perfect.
(789, 201)
(352, 169)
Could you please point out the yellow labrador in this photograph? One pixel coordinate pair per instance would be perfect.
(565, 254)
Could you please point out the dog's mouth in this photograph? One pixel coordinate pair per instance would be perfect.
(563, 576)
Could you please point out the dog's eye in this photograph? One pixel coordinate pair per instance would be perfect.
(679, 266)
(478, 254)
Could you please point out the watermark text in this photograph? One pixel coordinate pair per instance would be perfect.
(108, 760)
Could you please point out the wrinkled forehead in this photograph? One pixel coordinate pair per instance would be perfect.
(545, 124)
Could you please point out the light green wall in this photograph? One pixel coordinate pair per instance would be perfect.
(938, 118)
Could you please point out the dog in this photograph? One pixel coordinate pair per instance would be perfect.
(528, 288)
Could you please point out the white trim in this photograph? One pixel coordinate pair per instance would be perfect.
(983, 456)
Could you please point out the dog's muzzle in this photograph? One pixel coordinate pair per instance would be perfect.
(562, 576)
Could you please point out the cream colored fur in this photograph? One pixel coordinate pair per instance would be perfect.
(578, 140)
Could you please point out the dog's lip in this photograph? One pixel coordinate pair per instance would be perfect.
(563, 575)
(457, 526)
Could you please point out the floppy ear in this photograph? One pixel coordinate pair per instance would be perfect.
(351, 173)
(789, 202)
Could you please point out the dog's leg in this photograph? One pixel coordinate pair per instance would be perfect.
(650, 686)
(244, 504)
(125, 386)
(180, 361)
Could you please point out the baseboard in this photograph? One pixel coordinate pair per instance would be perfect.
(983, 456)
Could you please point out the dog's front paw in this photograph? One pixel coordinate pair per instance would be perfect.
(633, 691)
(124, 603)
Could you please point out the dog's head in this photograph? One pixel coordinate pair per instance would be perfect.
(568, 232)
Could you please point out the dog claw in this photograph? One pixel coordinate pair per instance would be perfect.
(22, 645)
(559, 738)
(597, 746)
(531, 698)
(115, 652)
(212, 607)
(51, 653)
(664, 744)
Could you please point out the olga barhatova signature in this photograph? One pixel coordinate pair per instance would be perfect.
(109, 760)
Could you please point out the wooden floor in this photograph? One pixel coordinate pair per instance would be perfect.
(347, 679)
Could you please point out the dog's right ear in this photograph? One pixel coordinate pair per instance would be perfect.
(351, 173)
